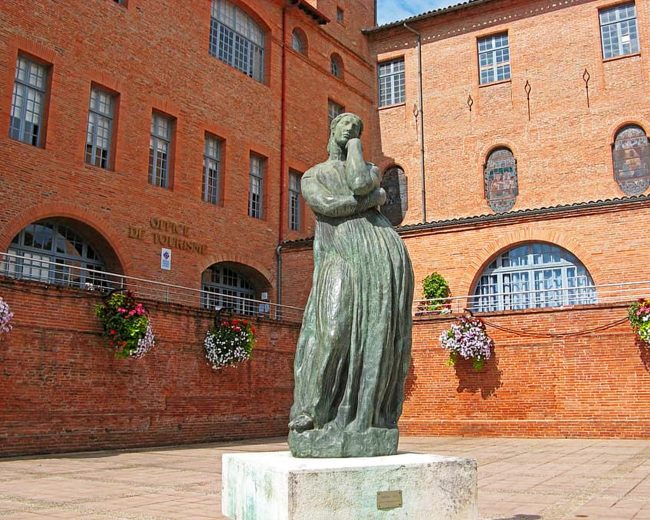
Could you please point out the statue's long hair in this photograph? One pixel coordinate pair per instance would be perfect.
(334, 150)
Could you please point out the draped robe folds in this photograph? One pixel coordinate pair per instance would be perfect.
(354, 348)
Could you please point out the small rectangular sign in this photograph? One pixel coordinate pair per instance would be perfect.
(166, 259)
(389, 499)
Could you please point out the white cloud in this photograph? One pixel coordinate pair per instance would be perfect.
(393, 10)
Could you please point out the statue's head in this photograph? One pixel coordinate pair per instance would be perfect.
(344, 127)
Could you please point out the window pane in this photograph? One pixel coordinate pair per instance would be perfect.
(535, 275)
(391, 82)
(494, 58)
(28, 101)
(236, 39)
(618, 30)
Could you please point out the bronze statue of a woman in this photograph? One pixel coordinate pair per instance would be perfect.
(355, 344)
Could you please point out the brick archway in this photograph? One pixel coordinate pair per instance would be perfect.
(484, 255)
(63, 211)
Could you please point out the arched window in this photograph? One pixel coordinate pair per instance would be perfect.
(395, 184)
(336, 65)
(299, 41)
(56, 252)
(533, 275)
(237, 39)
(631, 156)
(500, 179)
(225, 286)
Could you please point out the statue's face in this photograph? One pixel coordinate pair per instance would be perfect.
(346, 129)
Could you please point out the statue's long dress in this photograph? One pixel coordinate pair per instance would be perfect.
(354, 348)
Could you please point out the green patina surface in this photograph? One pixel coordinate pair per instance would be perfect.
(355, 344)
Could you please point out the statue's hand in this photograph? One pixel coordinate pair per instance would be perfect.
(353, 144)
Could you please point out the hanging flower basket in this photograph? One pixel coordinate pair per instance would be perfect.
(5, 317)
(639, 315)
(126, 324)
(229, 342)
(467, 339)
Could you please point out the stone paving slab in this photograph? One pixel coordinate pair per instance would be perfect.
(519, 479)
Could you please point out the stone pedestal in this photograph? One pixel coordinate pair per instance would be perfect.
(277, 486)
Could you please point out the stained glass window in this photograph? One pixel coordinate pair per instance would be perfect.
(631, 155)
(500, 179)
(533, 275)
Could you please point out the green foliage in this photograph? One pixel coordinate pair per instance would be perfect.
(126, 325)
(639, 315)
(435, 287)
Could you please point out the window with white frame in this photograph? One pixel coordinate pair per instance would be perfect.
(333, 110)
(225, 288)
(618, 30)
(295, 221)
(533, 275)
(494, 58)
(236, 39)
(28, 101)
(391, 82)
(256, 186)
(160, 150)
(53, 252)
(212, 169)
(100, 127)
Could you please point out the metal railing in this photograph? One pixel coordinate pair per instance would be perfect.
(559, 297)
(41, 269)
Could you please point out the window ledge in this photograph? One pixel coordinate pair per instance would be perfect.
(502, 82)
(621, 57)
(395, 105)
(93, 168)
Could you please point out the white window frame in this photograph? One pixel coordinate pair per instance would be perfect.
(295, 205)
(99, 134)
(256, 186)
(212, 169)
(28, 101)
(236, 39)
(160, 145)
(392, 82)
(494, 58)
(619, 32)
(533, 275)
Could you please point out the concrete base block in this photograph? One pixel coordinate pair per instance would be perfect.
(277, 486)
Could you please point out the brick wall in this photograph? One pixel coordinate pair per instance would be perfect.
(594, 385)
(154, 55)
(62, 390)
(563, 152)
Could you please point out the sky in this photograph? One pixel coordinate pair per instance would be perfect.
(393, 10)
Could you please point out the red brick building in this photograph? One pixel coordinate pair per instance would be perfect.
(519, 173)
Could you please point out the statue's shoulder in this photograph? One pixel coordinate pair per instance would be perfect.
(319, 171)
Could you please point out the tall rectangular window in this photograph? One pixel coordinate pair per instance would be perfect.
(256, 186)
(28, 102)
(618, 30)
(160, 150)
(494, 58)
(391, 82)
(212, 169)
(237, 39)
(295, 222)
(333, 110)
(100, 127)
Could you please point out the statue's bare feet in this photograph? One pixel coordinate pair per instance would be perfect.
(302, 423)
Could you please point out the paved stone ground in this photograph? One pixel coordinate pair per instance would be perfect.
(519, 479)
